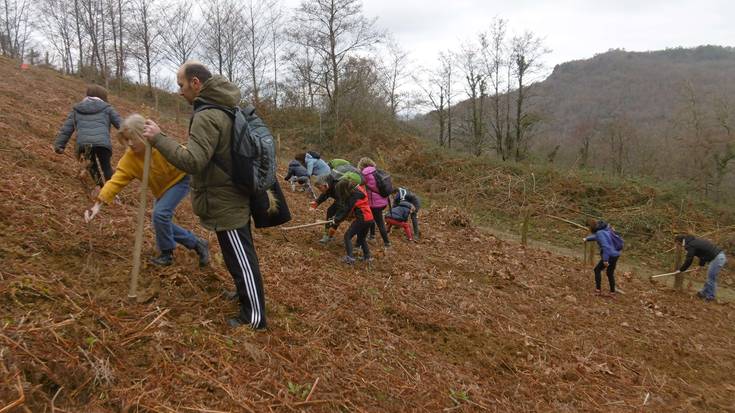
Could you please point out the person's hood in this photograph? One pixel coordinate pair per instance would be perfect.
(295, 164)
(90, 106)
(368, 170)
(406, 204)
(220, 91)
(601, 225)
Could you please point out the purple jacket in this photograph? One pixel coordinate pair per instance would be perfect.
(376, 201)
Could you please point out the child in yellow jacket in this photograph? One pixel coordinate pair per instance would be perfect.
(168, 184)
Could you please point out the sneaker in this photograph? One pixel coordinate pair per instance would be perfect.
(238, 321)
(368, 259)
(293, 186)
(613, 294)
(164, 260)
(202, 249)
(326, 239)
(598, 293)
(386, 245)
(229, 295)
(348, 260)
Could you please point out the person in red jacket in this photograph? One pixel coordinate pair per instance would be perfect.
(355, 203)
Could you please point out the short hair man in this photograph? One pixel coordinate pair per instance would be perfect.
(707, 252)
(220, 205)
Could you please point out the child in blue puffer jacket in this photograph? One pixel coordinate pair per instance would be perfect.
(91, 119)
(398, 216)
(602, 233)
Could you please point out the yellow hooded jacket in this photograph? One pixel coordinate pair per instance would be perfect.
(162, 175)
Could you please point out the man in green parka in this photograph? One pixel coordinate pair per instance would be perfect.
(220, 206)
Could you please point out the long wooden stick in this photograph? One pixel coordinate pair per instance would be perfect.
(670, 273)
(568, 221)
(313, 224)
(133, 292)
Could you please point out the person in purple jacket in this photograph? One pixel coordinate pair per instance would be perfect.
(601, 232)
(377, 202)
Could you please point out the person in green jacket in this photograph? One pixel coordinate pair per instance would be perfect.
(220, 206)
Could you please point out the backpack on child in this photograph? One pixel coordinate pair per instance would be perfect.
(384, 182)
(252, 150)
(617, 241)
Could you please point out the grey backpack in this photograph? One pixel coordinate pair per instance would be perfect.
(252, 149)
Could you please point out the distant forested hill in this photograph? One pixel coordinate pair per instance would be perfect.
(663, 113)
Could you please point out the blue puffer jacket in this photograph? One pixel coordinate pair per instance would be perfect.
(602, 236)
(316, 166)
(401, 212)
(91, 118)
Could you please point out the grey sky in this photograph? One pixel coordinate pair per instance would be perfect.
(572, 29)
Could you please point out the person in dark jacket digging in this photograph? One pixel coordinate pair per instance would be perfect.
(398, 216)
(403, 194)
(91, 119)
(707, 252)
(297, 175)
(326, 185)
(601, 232)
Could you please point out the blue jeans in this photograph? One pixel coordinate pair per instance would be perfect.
(168, 233)
(714, 268)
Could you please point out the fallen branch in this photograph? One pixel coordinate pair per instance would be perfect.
(313, 387)
(21, 400)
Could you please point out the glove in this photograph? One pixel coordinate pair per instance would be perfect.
(332, 231)
(92, 212)
(313, 205)
(58, 150)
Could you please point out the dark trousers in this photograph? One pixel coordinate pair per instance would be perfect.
(415, 222)
(378, 220)
(238, 252)
(612, 262)
(99, 158)
(359, 228)
(331, 212)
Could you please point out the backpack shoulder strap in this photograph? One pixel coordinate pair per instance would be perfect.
(228, 111)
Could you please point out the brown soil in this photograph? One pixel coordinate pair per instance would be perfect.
(462, 321)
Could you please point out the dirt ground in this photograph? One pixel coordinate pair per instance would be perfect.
(462, 321)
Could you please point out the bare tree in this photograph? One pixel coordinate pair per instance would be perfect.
(475, 87)
(494, 53)
(145, 37)
(527, 51)
(16, 28)
(257, 26)
(56, 18)
(306, 72)
(179, 33)
(335, 29)
(446, 61)
(435, 95)
(277, 41)
(223, 42)
(395, 73)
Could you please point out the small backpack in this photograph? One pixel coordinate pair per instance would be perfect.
(252, 149)
(384, 182)
(617, 240)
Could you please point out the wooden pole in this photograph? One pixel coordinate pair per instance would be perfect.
(133, 292)
(679, 279)
(669, 273)
(584, 252)
(524, 226)
(313, 224)
(591, 253)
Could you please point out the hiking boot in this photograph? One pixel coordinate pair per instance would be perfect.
(598, 293)
(387, 245)
(326, 239)
(202, 249)
(348, 260)
(164, 260)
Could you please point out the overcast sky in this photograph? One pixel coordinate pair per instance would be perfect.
(572, 29)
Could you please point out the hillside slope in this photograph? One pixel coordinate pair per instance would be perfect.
(462, 321)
